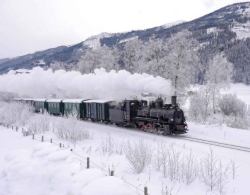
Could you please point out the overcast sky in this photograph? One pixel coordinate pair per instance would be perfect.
(27, 26)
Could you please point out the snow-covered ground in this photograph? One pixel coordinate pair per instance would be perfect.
(28, 167)
(31, 167)
(241, 90)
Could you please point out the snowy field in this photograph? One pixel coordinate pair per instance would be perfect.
(31, 167)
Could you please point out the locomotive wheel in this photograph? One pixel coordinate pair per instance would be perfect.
(144, 128)
(149, 126)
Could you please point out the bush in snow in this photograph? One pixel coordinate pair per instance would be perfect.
(107, 144)
(69, 128)
(200, 105)
(174, 164)
(212, 173)
(234, 111)
(6, 96)
(39, 123)
(188, 168)
(138, 154)
(15, 113)
(218, 76)
(231, 105)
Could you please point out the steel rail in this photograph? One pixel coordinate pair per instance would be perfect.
(214, 143)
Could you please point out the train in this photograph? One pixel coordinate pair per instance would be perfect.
(154, 117)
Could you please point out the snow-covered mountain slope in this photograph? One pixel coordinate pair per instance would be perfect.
(171, 24)
(94, 41)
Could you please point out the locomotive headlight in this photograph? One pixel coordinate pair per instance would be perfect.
(172, 119)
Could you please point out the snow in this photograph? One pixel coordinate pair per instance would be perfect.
(54, 100)
(128, 39)
(59, 155)
(74, 100)
(171, 24)
(31, 167)
(40, 100)
(105, 186)
(241, 90)
(242, 30)
(26, 99)
(98, 101)
(212, 30)
(94, 41)
(47, 169)
(17, 99)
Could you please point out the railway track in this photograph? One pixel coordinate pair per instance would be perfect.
(219, 144)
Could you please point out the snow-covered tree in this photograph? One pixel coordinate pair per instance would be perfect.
(181, 61)
(89, 62)
(101, 57)
(153, 53)
(57, 66)
(234, 110)
(109, 58)
(218, 76)
(132, 55)
(200, 105)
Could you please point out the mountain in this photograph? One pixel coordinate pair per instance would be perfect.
(225, 30)
(4, 60)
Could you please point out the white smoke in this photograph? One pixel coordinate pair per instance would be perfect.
(112, 85)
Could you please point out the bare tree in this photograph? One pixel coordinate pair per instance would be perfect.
(57, 66)
(174, 162)
(218, 76)
(107, 144)
(189, 168)
(209, 171)
(213, 174)
(138, 155)
(15, 113)
(153, 57)
(233, 168)
(200, 105)
(132, 55)
(181, 61)
(101, 57)
(222, 178)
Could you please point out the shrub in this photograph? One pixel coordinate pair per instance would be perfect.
(138, 155)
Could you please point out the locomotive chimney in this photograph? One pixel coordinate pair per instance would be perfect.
(173, 100)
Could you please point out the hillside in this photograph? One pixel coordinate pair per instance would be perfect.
(225, 30)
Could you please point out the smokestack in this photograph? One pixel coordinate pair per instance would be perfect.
(173, 100)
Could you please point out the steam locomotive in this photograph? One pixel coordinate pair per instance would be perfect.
(156, 117)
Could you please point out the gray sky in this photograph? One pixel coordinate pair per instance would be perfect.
(27, 26)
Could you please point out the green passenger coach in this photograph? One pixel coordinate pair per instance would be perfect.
(41, 105)
(75, 104)
(55, 106)
(98, 110)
